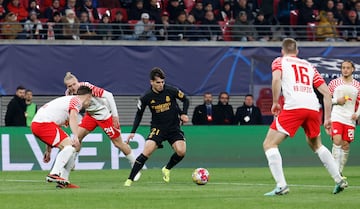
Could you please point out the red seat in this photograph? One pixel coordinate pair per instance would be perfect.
(123, 11)
(132, 23)
(275, 7)
(226, 30)
(102, 11)
(264, 102)
(311, 31)
(294, 14)
(189, 4)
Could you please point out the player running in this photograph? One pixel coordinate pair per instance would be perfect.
(101, 112)
(46, 126)
(165, 123)
(346, 93)
(297, 78)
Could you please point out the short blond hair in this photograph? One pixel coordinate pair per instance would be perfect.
(69, 76)
(289, 46)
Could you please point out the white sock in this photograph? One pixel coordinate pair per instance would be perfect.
(344, 158)
(65, 172)
(328, 160)
(62, 158)
(131, 158)
(275, 164)
(337, 154)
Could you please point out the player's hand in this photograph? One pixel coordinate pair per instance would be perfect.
(76, 143)
(184, 118)
(131, 136)
(341, 101)
(275, 109)
(116, 122)
(327, 126)
(354, 117)
(46, 158)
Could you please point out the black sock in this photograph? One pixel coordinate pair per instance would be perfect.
(175, 159)
(139, 163)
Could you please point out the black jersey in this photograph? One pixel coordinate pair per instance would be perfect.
(164, 108)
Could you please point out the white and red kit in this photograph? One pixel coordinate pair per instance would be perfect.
(301, 105)
(99, 113)
(341, 114)
(48, 119)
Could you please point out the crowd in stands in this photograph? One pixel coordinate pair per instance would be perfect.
(186, 20)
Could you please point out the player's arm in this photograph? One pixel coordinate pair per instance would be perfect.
(73, 123)
(324, 90)
(276, 91)
(47, 154)
(183, 98)
(141, 105)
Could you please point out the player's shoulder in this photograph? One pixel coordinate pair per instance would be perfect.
(170, 88)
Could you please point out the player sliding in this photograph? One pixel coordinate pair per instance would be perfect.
(46, 126)
(301, 108)
(101, 112)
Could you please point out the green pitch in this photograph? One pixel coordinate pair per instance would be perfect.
(239, 188)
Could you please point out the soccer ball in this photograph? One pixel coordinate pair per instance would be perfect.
(200, 176)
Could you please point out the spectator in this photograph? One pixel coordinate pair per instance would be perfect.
(198, 11)
(49, 3)
(104, 29)
(214, 3)
(34, 6)
(283, 16)
(86, 28)
(119, 28)
(203, 114)
(31, 107)
(11, 28)
(241, 5)
(179, 30)
(144, 29)
(248, 114)
(227, 12)
(93, 15)
(242, 29)
(16, 109)
(327, 28)
(340, 13)
(307, 14)
(267, 8)
(71, 25)
(209, 7)
(263, 31)
(174, 8)
(54, 27)
(163, 29)
(329, 6)
(351, 27)
(136, 10)
(33, 26)
(194, 33)
(223, 111)
(55, 7)
(211, 28)
(357, 9)
(19, 10)
(154, 11)
(70, 5)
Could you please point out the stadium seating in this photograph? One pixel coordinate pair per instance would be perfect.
(123, 11)
(264, 102)
(294, 14)
(226, 30)
(311, 31)
(189, 4)
(102, 11)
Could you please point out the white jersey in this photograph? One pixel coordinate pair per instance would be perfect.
(299, 78)
(99, 107)
(57, 110)
(351, 91)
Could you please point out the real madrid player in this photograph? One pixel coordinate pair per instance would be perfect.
(345, 92)
(165, 123)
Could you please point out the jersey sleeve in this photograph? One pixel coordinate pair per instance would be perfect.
(331, 87)
(96, 91)
(276, 64)
(141, 105)
(318, 79)
(75, 104)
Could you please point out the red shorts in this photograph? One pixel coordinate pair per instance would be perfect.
(50, 133)
(90, 123)
(289, 121)
(346, 131)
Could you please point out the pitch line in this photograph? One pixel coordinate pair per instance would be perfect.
(290, 185)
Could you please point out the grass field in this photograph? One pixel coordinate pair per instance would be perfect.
(240, 188)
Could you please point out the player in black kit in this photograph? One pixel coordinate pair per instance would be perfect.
(165, 123)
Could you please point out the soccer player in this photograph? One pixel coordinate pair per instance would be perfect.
(165, 123)
(46, 126)
(101, 112)
(346, 92)
(297, 78)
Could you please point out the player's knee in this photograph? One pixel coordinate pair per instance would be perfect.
(181, 153)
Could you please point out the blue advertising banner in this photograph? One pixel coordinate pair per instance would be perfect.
(124, 69)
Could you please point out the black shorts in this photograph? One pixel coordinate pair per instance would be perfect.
(159, 135)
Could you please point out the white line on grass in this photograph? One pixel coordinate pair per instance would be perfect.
(23, 180)
(292, 185)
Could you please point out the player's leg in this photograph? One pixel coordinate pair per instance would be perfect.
(336, 151)
(270, 145)
(150, 147)
(179, 147)
(345, 149)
